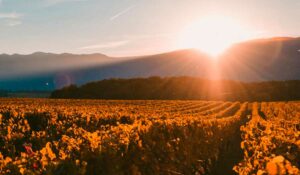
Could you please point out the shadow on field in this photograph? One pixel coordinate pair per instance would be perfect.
(231, 153)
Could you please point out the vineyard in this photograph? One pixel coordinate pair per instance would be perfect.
(44, 136)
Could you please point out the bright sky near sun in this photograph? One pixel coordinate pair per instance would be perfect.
(137, 27)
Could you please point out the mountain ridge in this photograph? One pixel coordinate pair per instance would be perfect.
(276, 59)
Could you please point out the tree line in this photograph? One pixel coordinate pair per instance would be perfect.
(182, 88)
(3, 93)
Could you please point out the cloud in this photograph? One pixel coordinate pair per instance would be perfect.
(108, 45)
(54, 2)
(151, 36)
(11, 15)
(14, 23)
(123, 12)
(11, 19)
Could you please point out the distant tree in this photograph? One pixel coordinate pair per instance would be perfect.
(183, 88)
(3, 93)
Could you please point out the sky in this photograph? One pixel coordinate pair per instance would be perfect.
(130, 27)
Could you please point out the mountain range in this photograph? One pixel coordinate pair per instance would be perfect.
(250, 61)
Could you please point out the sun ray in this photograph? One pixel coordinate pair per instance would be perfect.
(212, 34)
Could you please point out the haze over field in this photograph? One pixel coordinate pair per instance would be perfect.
(257, 60)
(50, 44)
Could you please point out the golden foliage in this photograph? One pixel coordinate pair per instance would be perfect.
(40, 136)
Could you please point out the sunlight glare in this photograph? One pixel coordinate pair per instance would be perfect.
(212, 35)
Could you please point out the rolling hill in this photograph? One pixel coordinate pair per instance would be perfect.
(255, 60)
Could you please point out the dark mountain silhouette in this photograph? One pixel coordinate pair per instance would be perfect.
(255, 60)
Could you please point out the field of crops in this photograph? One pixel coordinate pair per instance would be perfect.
(42, 136)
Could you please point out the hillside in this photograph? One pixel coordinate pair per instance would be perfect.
(264, 59)
(39, 62)
(256, 60)
(39, 70)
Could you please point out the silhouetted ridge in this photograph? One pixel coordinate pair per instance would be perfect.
(275, 59)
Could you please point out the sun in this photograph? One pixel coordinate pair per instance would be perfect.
(212, 34)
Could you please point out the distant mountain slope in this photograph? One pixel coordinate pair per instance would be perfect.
(264, 59)
(40, 71)
(39, 62)
(256, 60)
(182, 62)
